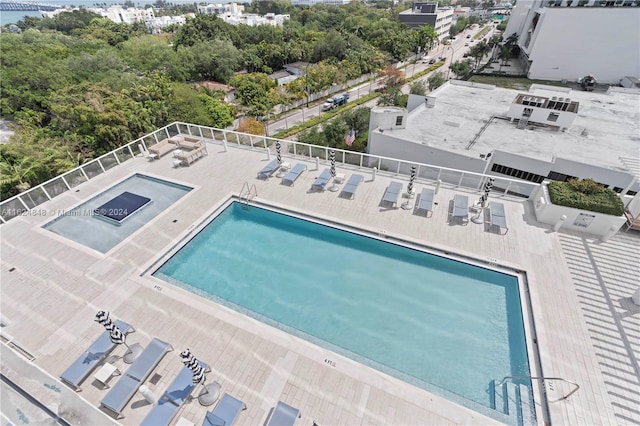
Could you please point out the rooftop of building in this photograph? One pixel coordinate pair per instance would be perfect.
(606, 127)
(52, 288)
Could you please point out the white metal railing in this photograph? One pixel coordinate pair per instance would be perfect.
(32, 198)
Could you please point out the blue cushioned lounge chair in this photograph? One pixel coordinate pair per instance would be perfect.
(92, 357)
(226, 412)
(173, 398)
(460, 209)
(426, 201)
(497, 217)
(392, 193)
(294, 173)
(269, 169)
(321, 181)
(120, 394)
(350, 187)
(283, 415)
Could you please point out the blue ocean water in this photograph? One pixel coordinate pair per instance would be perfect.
(13, 17)
(426, 319)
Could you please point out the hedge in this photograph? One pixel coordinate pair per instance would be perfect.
(587, 195)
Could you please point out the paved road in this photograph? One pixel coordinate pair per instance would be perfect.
(451, 53)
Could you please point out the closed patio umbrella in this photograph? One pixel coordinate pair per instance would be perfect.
(118, 337)
(487, 189)
(210, 392)
(279, 152)
(412, 177)
(332, 159)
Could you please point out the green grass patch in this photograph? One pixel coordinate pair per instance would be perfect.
(517, 83)
(482, 32)
(587, 195)
(422, 73)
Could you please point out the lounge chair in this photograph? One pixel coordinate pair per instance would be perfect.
(225, 413)
(294, 173)
(497, 217)
(392, 193)
(269, 169)
(426, 201)
(172, 400)
(283, 415)
(322, 180)
(351, 185)
(92, 357)
(120, 394)
(460, 209)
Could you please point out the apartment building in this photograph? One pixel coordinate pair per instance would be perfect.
(428, 14)
(569, 39)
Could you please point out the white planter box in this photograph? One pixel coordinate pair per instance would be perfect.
(599, 224)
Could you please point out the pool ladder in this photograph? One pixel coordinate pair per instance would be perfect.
(247, 193)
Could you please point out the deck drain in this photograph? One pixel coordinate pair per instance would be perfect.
(155, 379)
(12, 269)
(175, 220)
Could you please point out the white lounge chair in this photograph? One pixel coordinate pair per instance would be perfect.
(283, 415)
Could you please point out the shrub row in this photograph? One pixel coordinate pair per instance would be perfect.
(586, 195)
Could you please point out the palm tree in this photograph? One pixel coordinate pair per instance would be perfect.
(504, 55)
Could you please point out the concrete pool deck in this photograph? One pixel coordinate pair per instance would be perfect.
(587, 329)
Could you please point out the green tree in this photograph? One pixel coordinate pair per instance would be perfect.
(214, 60)
(479, 51)
(427, 37)
(418, 88)
(461, 68)
(436, 80)
(392, 96)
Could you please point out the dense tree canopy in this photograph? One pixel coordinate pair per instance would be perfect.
(81, 85)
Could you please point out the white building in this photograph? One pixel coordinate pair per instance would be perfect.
(569, 39)
(428, 14)
(233, 14)
(312, 2)
(545, 133)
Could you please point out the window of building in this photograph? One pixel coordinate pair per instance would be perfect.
(618, 190)
(527, 112)
(559, 176)
(399, 120)
(516, 173)
(553, 117)
(632, 193)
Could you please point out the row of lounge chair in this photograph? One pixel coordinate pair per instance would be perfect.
(177, 393)
(459, 209)
(320, 182)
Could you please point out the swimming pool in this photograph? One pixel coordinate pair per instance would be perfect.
(83, 225)
(438, 323)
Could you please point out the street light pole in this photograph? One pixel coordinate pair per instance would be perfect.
(453, 52)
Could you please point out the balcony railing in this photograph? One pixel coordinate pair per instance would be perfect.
(30, 199)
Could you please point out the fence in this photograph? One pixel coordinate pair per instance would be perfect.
(46, 191)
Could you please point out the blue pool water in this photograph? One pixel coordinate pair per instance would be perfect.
(82, 225)
(431, 321)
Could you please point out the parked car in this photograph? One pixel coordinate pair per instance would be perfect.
(468, 35)
(432, 61)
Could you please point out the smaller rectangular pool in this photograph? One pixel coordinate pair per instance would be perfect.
(102, 232)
